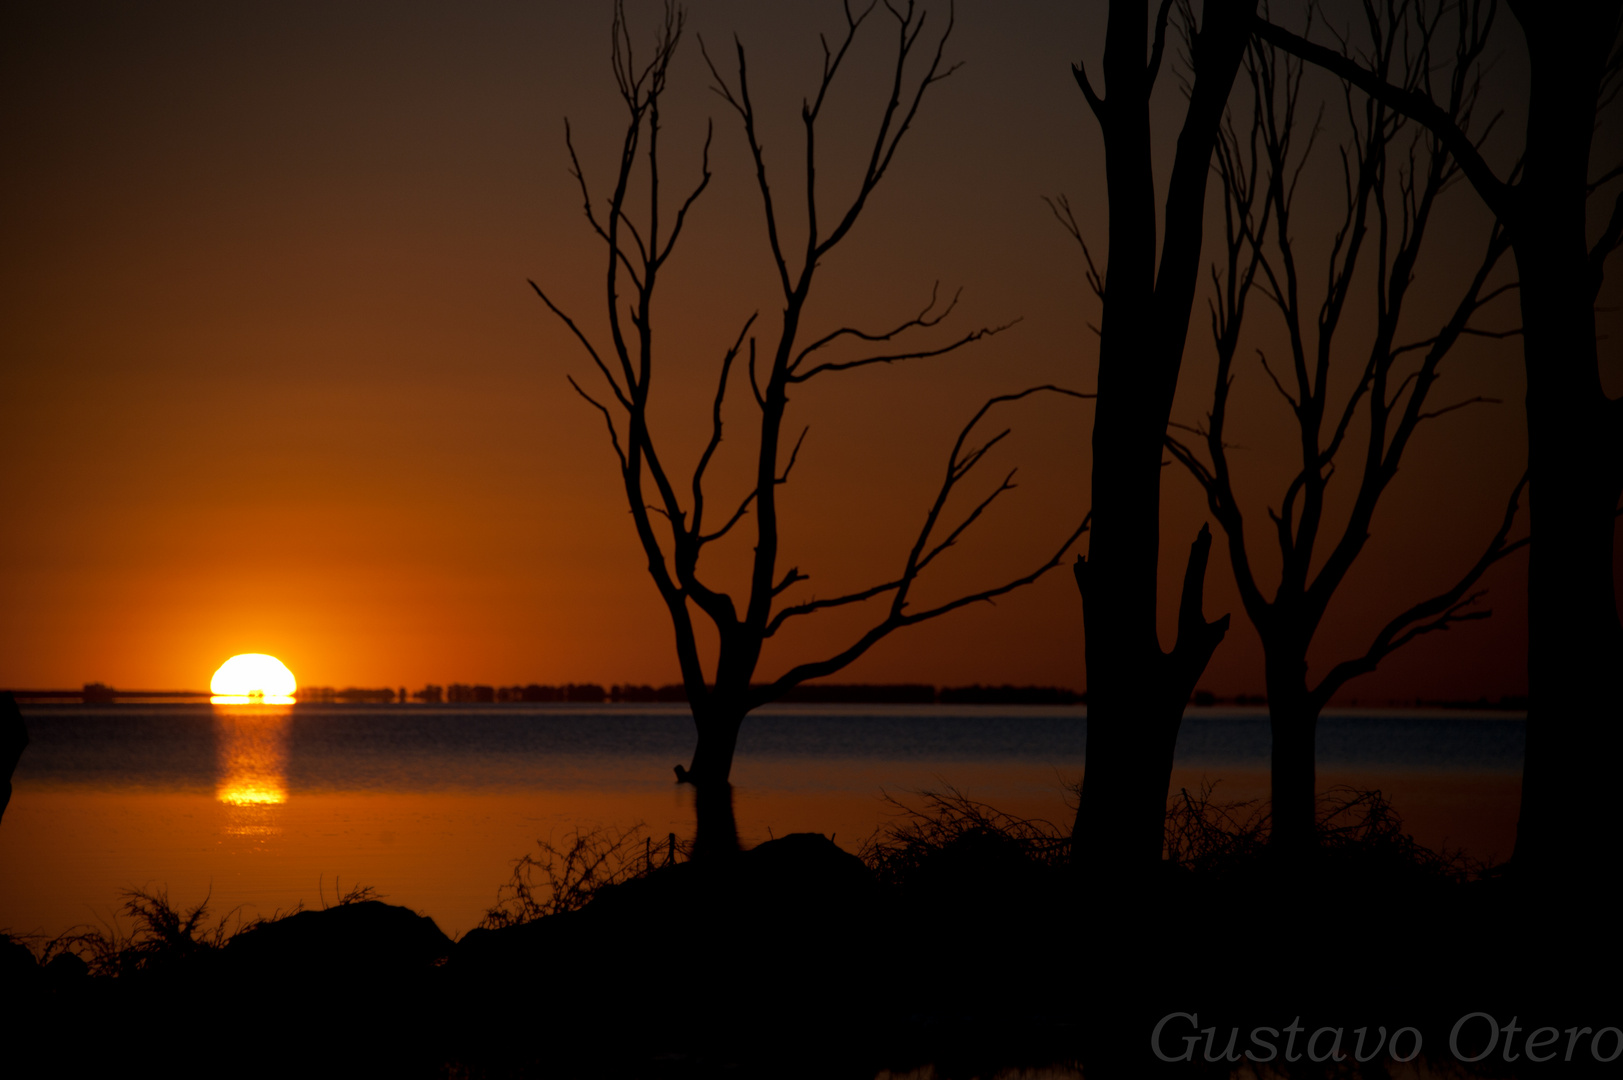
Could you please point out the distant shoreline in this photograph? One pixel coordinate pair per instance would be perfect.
(806, 694)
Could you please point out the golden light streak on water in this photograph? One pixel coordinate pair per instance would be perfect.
(251, 738)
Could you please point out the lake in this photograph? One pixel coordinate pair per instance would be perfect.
(261, 807)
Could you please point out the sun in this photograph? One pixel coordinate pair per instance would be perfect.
(253, 675)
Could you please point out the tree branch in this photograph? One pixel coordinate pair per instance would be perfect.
(1197, 639)
(742, 105)
(1094, 101)
(737, 515)
(804, 672)
(922, 319)
(614, 436)
(1478, 400)
(792, 576)
(1160, 43)
(794, 455)
(581, 337)
(1495, 192)
(1061, 207)
(921, 354)
(715, 424)
(882, 154)
(959, 464)
(810, 606)
(693, 197)
(1435, 613)
(969, 520)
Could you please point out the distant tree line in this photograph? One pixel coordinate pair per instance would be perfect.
(818, 693)
(349, 694)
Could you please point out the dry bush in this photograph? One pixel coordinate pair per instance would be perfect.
(949, 822)
(1203, 834)
(1354, 826)
(356, 894)
(160, 933)
(565, 877)
(1362, 825)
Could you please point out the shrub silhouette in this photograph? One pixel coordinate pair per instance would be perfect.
(565, 877)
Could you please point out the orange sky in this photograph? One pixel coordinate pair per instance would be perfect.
(273, 380)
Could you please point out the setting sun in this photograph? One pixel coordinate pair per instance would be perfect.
(253, 675)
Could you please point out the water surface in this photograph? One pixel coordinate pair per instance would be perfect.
(265, 806)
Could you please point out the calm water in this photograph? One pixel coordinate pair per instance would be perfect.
(265, 806)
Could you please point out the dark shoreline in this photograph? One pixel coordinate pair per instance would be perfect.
(970, 945)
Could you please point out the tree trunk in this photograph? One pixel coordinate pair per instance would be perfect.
(1136, 692)
(1293, 722)
(1132, 731)
(1130, 722)
(13, 740)
(715, 828)
(716, 834)
(1133, 714)
(1575, 462)
(1133, 723)
(1575, 646)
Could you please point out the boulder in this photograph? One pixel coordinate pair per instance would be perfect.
(366, 941)
(773, 945)
(19, 971)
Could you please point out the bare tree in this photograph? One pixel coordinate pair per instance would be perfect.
(674, 533)
(1393, 177)
(1574, 430)
(1136, 691)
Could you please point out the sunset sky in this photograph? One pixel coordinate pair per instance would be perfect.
(273, 380)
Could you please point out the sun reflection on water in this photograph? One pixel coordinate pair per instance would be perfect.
(252, 741)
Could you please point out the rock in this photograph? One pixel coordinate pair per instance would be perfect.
(18, 968)
(807, 870)
(798, 900)
(771, 945)
(370, 941)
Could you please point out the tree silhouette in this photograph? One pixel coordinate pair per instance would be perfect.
(1391, 193)
(13, 741)
(1137, 692)
(1574, 430)
(674, 543)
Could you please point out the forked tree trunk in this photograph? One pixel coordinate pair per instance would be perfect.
(1137, 692)
(1136, 701)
